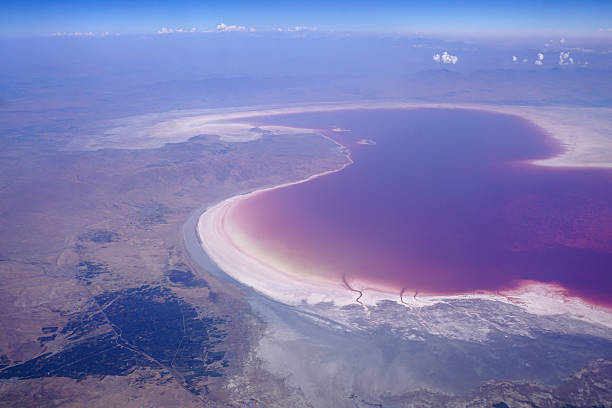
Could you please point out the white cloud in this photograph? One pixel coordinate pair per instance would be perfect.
(562, 41)
(252, 30)
(445, 58)
(565, 58)
(225, 28)
(540, 59)
(525, 60)
(165, 30)
(514, 59)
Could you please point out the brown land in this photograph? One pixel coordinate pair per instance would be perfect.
(78, 225)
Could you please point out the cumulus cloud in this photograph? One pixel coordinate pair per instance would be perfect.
(525, 60)
(540, 59)
(445, 58)
(514, 59)
(565, 58)
(225, 28)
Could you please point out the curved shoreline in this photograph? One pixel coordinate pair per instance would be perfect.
(535, 297)
(211, 225)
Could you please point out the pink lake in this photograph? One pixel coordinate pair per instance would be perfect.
(445, 202)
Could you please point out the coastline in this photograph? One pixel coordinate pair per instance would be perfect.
(215, 241)
(535, 297)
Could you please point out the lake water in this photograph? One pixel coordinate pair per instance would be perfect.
(444, 202)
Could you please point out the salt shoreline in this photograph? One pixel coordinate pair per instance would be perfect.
(585, 132)
(534, 297)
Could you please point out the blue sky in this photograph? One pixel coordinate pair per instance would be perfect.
(43, 17)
